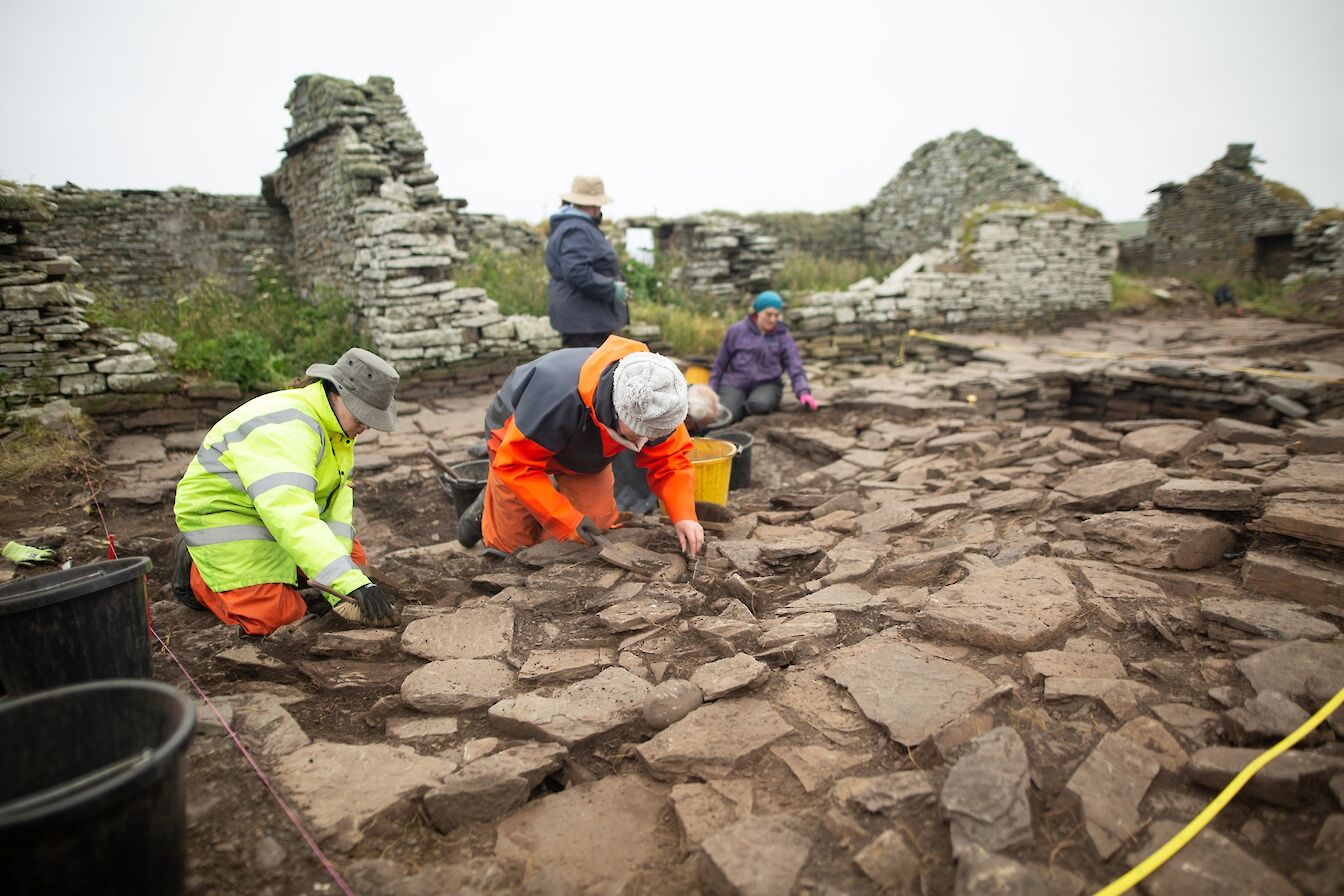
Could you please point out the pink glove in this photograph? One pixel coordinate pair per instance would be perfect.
(807, 401)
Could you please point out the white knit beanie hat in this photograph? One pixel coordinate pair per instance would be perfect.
(649, 394)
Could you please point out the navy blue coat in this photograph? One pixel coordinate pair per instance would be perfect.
(581, 296)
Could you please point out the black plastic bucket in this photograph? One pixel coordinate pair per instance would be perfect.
(471, 476)
(80, 624)
(722, 421)
(741, 474)
(92, 798)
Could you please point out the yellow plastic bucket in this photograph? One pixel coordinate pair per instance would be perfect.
(712, 462)
(697, 375)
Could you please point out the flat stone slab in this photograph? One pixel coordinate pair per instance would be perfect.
(578, 712)
(713, 739)
(1156, 539)
(895, 794)
(1163, 444)
(355, 675)
(359, 643)
(760, 855)
(983, 873)
(1119, 696)
(1319, 440)
(822, 706)
(1209, 865)
(705, 809)
(491, 787)
(1236, 432)
(1110, 583)
(124, 452)
(887, 518)
(1013, 500)
(1306, 474)
(478, 633)
(844, 598)
(1205, 494)
(985, 796)
(1320, 520)
(595, 838)
(1268, 716)
(1283, 781)
(816, 766)
(421, 728)
(264, 724)
(804, 627)
(722, 677)
(911, 690)
(565, 665)
(1072, 664)
(851, 562)
(247, 658)
(339, 788)
(1268, 619)
(1292, 577)
(1109, 785)
(1288, 668)
(1154, 737)
(1017, 608)
(1117, 485)
(640, 612)
(447, 686)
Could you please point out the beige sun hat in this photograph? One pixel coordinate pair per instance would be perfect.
(366, 384)
(586, 190)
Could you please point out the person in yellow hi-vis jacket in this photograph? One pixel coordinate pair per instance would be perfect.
(267, 500)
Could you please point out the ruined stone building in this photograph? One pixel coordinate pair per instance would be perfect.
(1226, 222)
(353, 207)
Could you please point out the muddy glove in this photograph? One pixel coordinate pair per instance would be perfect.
(366, 606)
(588, 531)
(21, 554)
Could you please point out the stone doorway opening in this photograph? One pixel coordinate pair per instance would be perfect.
(1273, 255)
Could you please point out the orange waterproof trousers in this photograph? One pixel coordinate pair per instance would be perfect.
(259, 609)
(509, 526)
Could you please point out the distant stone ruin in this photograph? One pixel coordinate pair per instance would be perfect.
(1007, 266)
(353, 208)
(719, 255)
(1226, 222)
(1318, 247)
(941, 183)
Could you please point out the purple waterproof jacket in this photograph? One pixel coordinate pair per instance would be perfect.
(749, 357)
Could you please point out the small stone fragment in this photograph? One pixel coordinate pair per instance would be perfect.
(723, 677)
(670, 701)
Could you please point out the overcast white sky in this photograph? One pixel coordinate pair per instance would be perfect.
(683, 106)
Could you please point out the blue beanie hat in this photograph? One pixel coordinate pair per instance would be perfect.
(767, 299)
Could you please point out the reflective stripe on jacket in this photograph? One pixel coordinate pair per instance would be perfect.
(268, 491)
(549, 416)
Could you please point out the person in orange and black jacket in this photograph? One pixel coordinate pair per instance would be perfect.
(567, 414)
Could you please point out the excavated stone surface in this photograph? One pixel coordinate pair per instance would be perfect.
(477, 633)
(1116, 485)
(1109, 785)
(583, 710)
(1019, 607)
(1156, 539)
(713, 740)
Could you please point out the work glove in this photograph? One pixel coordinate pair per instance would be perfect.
(621, 292)
(366, 606)
(587, 530)
(21, 554)
(807, 401)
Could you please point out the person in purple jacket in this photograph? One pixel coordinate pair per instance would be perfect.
(755, 352)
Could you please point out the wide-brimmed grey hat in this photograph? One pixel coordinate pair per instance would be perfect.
(366, 384)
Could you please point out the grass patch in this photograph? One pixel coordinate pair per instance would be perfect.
(264, 338)
(41, 452)
(516, 280)
(1285, 193)
(815, 273)
(1324, 218)
(1130, 296)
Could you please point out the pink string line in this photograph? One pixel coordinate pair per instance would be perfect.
(233, 735)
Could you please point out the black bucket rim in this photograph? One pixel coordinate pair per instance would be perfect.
(731, 435)
(471, 479)
(722, 420)
(92, 798)
(56, 587)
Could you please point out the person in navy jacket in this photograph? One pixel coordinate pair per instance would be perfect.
(586, 297)
(755, 353)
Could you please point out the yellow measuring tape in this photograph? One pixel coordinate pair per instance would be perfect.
(1110, 356)
(1187, 833)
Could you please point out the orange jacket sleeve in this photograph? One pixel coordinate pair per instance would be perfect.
(520, 464)
(668, 467)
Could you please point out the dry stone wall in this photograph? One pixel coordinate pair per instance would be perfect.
(1228, 221)
(144, 244)
(48, 351)
(941, 183)
(720, 255)
(366, 211)
(1020, 266)
(1318, 247)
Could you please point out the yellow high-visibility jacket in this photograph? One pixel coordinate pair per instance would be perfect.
(268, 491)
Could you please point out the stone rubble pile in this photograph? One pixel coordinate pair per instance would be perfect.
(719, 256)
(999, 633)
(366, 209)
(1318, 247)
(48, 351)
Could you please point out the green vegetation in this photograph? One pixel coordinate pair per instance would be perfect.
(264, 338)
(516, 280)
(1325, 217)
(23, 203)
(813, 273)
(1285, 193)
(44, 452)
(1130, 296)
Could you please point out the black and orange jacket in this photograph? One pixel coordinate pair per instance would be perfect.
(549, 416)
